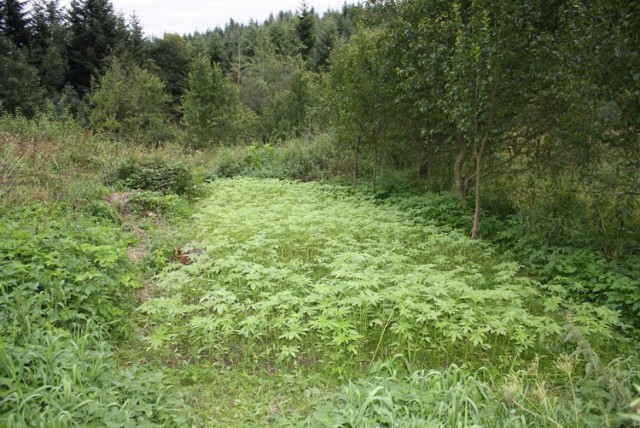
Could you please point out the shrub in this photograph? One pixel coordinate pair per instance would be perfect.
(298, 159)
(230, 162)
(154, 175)
(60, 271)
(65, 290)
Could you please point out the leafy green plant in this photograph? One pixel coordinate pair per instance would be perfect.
(49, 265)
(63, 378)
(131, 103)
(457, 396)
(158, 203)
(305, 272)
(304, 159)
(155, 175)
(65, 293)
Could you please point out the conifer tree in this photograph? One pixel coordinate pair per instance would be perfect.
(306, 30)
(19, 85)
(170, 55)
(48, 44)
(14, 22)
(94, 36)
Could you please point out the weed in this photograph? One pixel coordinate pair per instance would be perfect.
(65, 291)
(299, 276)
(155, 175)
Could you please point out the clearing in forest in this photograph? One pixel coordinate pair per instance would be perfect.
(312, 278)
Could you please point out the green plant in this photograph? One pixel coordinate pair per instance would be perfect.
(65, 294)
(61, 378)
(154, 175)
(158, 203)
(304, 272)
(211, 105)
(131, 103)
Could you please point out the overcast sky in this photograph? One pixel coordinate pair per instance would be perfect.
(187, 16)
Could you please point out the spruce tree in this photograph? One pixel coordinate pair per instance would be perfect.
(170, 55)
(306, 30)
(14, 22)
(48, 44)
(94, 35)
(19, 85)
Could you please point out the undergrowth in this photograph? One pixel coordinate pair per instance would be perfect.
(585, 273)
(311, 277)
(65, 286)
(276, 293)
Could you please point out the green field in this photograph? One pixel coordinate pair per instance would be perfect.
(291, 304)
(296, 288)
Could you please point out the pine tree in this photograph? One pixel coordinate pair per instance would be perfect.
(94, 36)
(14, 22)
(170, 55)
(19, 86)
(306, 30)
(48, 44)
(135, 39)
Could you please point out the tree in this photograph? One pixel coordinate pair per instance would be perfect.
(480, 70)
(211, 45)
(282, 35)
(19, 84)
(135, 39)
(93, 37)
(14, 23)
(210, 105)
(285, 113)
(306, 30)
(362, 95)
(131, 103)
(325, 44)
(48, 45)
(171, 55)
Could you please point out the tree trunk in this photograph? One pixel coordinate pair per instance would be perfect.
(374, 180)
(476, 217)
(355, 168)
(459, 175)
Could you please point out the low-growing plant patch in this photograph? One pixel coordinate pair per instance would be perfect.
(306, 274)
(66, 291)
(457, 396)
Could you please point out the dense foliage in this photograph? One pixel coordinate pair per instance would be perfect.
(64, 285)
(327, 277)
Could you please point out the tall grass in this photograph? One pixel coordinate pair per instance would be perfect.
(66, 288)
(44, 160)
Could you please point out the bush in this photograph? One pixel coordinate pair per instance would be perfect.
(298, 159)
(60, 271)
(131, 102)
(230, 162)
(154, 175)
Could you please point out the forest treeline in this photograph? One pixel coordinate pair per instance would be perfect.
(528, 110)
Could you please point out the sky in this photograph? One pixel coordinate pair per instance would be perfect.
(188, 16)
